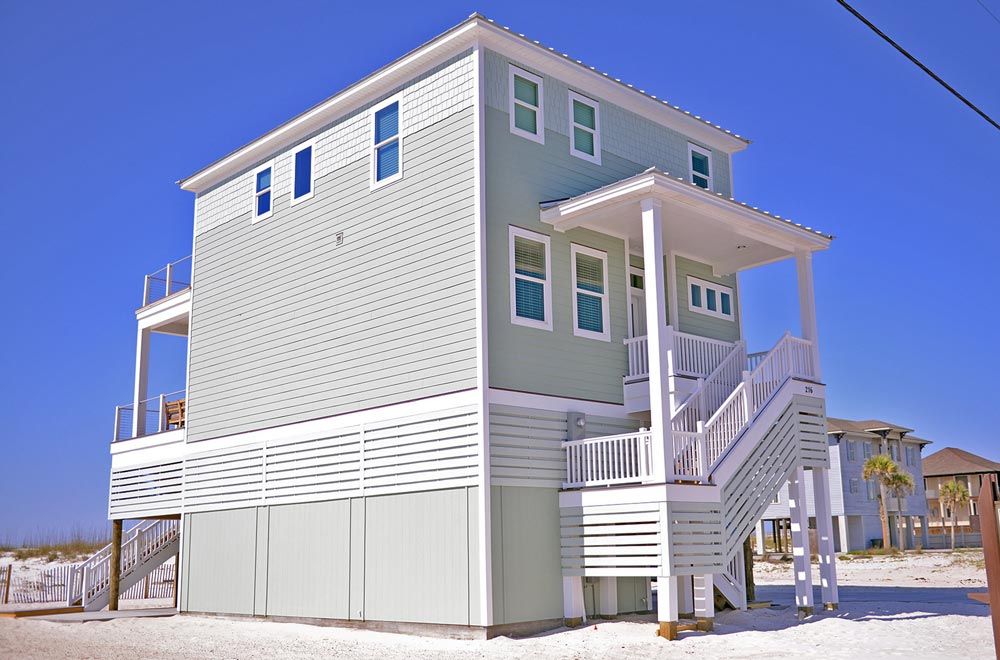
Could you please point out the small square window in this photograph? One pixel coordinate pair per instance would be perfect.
(585, 133)
(386, 156)
(262, 178)
(701, 166)
(527, 117)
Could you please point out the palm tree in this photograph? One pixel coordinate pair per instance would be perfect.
(881, 467)
(953, 494)
(900, 484)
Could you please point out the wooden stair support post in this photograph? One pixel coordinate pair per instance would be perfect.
(6, 586)
(115, 567)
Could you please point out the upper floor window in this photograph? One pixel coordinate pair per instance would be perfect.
(262, 179)
(387, 150)
(872, 489)
(867, 449)
(530, 280)
(527, 117)
(894, 452)
(852, 453)
(701, 166)
(585, 128)
(591, 316)
(710, 298)
(854, 486)
(303, 159)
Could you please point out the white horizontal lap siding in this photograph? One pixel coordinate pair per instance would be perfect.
(526, 447)
(146, 490)
(288, 325)
(609, 540)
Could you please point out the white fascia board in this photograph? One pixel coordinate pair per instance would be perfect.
(160, 447)
(165, 310)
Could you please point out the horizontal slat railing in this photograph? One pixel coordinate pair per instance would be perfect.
(609, 460)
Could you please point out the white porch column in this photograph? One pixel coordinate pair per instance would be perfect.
(824, 538)
(574, 612)
(704, 600)
(666, 606)
(845, 543)
(657, 338)
(141, 391)
(807, 304)
(609, 596)
(760, 536)
(800, 541)
(685, 597)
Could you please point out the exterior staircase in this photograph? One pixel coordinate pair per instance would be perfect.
(144, 547)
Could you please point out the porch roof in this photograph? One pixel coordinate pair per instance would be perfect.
(729, 234)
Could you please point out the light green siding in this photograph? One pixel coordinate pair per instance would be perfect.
(527, 574)
(632, 595)
(696, 323)
(411, 557)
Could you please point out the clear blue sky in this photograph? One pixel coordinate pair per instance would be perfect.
(105, 105)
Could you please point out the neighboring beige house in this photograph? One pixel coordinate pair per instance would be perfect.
(953, 464)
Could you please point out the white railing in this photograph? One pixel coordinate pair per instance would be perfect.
(693, 355)
(732, 582)
(171, 279)
(711, 391)
(152, 417)
(615, 459)
(91, 578)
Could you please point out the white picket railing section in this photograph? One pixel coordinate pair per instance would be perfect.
(608, 460)
(140, 546)
(693, 355)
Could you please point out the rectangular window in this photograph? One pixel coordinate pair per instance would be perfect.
(530, 282)
(710, 298)
(894, 452)
(867, 447)
(262, 180)
(527, 116)
(584, 128)
(872, 490)
(302, 177)
(854, 486)
(387, 149)
(701, 166)
(852, 453)
(591, 316)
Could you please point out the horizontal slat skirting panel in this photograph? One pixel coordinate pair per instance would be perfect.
(142, 489)
(622, 539)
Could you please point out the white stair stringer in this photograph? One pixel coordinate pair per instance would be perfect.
(144, 547)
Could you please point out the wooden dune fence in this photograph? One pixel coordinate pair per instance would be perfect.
(49, 585)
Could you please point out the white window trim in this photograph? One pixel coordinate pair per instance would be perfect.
(854, 486)
(312, 173)
(255, 193)
(693, 148)
(373, 148)
(547, 283)
(540, 110)
(719, 290)
(596, 158)
(574, 250)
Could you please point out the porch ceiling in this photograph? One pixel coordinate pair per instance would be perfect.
(720, 231)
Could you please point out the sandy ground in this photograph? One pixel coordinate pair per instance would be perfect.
(914, 607)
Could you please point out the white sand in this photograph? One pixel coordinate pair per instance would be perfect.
(886, 609)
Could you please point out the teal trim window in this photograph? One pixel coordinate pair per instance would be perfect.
(262, 196)
(585, 133)
(387, 148)
(710, 298)
(591, 315)
(701, 166)
(527, 117)
(530, 280)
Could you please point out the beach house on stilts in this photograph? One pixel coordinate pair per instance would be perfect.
(466, 355)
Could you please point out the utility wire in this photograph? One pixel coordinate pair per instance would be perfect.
(988, 11)
(930, 73)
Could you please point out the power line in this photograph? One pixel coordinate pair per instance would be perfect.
(988, 11)
(919, 63)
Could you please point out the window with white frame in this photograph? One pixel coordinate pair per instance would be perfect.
(530, 279)
(303, 168)
(710, 298)
(585, 128)
(855, 486)
(591, 316)
(867, 449)
(262, 181)
(387, 149)
(527, 117)
(872, 489)
(852, 450)
(701, 166)
(894, 452)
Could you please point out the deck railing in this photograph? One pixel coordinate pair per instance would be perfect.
(171, 279)
(693, 355)
(609, 460)
(152, 417)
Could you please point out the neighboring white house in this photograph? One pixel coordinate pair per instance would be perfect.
(857, 523)
(466, 354)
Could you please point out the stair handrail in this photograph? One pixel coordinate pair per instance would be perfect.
(738, 353)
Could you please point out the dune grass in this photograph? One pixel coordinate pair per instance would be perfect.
(57, 546)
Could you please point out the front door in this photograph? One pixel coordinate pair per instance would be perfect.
(637, 301)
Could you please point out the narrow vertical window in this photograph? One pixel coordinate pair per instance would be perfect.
(530, 282)
(302, 175)
(591, 316)
(701, 166)
(262, 192)
(387, 156)
(585, 133)
(527, 118)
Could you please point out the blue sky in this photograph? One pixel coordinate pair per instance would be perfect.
(106, 105)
